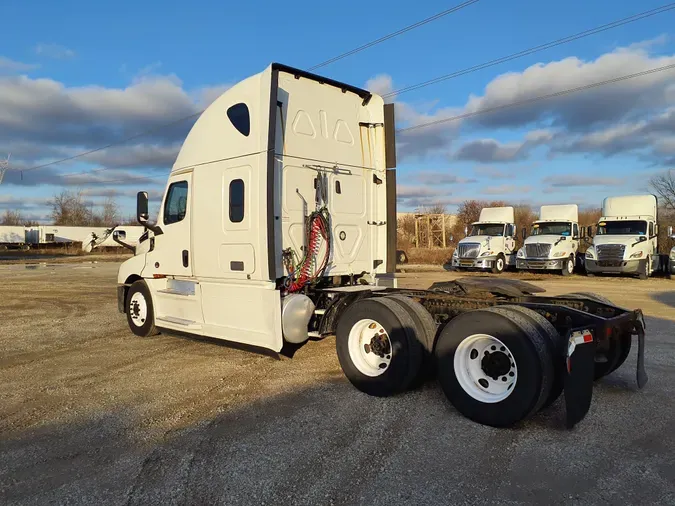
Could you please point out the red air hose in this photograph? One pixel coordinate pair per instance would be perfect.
(318, 228)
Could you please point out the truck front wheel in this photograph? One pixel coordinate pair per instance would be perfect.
(568, 267)
(499, 265)
(139, 309)
(377, 347)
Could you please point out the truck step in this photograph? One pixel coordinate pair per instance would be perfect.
(174, 320)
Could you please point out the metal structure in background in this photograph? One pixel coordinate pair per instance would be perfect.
(4, 165)
(430, 231)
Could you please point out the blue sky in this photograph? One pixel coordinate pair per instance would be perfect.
(75, 75)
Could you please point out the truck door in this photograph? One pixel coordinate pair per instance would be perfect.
(171, 255)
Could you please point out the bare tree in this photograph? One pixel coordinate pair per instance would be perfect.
(664, 187)
(70, 209)
(12, 218)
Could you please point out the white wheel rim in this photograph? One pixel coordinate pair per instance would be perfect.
(471, 360)
(369, 347)
(570, 266)
(500, 264)
(138, 309)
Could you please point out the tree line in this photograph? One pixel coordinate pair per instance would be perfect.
(72, 209)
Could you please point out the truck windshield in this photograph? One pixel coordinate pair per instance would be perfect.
(487, 229)
(552, 228)
(629, 227)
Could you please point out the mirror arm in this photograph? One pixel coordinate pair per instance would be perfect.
(123, 244)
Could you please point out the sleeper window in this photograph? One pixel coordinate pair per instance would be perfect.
(175, 206)
(240, 118)
(236, 200)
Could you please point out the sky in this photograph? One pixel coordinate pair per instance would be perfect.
(78, 75)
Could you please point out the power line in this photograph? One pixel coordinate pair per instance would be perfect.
(539, 98)
(536, 49)
(394, 34)
(194, 115)
(116, 143)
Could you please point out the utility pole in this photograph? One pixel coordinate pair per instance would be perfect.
(4, 165)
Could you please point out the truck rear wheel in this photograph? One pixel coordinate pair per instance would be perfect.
(494, 365)
(499, 265)
(568, 266)
(556, 344)
(377, 347)
(610, 353)
(425, 328)
(139, 310)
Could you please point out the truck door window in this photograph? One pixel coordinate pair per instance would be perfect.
(236, 200)
(175, 205)
(240, 118)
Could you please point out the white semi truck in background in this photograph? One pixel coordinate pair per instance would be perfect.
(490, 244)
(278, 224)
(553, 242)
(625, 240)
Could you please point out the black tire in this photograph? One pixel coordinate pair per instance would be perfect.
(566, 271)
(426, 333)
(406, 351)
(643, 273)
(147, 327)
(500, 265)
(618, 349)
(556, 345)
(530, 352)
(401, 257)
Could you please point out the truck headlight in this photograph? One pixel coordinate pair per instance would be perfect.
(521, 253)
(558, 254)
(637, 255)
(590, 253)
(672, 254)
(487, 253)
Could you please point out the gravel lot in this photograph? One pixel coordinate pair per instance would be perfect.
(90, 414)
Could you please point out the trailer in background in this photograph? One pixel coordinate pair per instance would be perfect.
(12, 237)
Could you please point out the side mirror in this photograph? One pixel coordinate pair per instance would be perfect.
(656, 229)
(142, 214)
(119, 235)
(563, 238)
(466, 231)
(452, 238)
(523, 232)
(514, 231)
(670, 233)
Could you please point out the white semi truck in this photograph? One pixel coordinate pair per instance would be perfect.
(490, 244)
(553, 241)
(278, 224)
(625, 241)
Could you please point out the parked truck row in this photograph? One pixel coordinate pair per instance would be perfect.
(278, 225)
(624, 241)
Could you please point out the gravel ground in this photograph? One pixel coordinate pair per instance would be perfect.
(90, 414)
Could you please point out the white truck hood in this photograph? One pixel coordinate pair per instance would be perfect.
(544, 239)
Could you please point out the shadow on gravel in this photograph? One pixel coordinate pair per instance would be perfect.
(667, 298)
(326, 443)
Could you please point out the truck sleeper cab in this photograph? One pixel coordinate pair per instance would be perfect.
(553, 241)
(278, 223)
(490, 244)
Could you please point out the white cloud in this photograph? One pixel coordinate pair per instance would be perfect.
(506, 189)
(9, 66)
(54, 51)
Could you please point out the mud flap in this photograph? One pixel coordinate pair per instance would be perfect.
(641, 374)
(580, 362)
